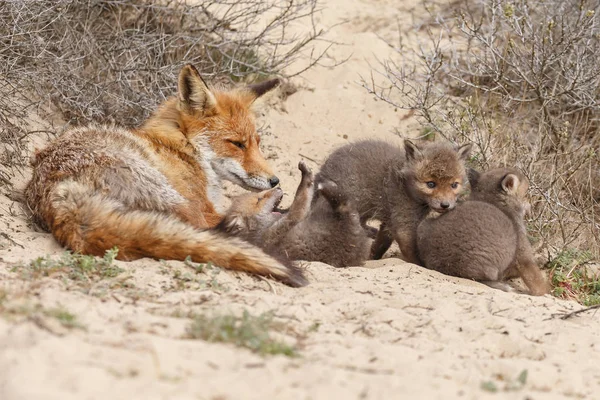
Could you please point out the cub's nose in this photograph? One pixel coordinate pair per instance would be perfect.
(273, 181)
(445, 205)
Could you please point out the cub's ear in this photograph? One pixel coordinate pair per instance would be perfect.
(510, 184)
(464, 151)
(258, 89)
(194, 95)
(331, 192)
(412, 151)
(232, 224)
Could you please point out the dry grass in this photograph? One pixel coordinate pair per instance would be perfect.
(112, 60)
(73, 266)
(521, 80)
(249, 331)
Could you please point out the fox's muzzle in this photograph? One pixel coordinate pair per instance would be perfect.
(442, 205)
(258, 182)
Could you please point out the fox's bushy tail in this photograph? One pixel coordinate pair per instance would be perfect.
(90, 223)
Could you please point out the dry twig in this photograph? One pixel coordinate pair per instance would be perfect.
(521, 80)
(114, 60)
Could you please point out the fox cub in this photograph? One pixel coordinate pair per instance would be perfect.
(485, 237)
(328, 231)
(398, 186)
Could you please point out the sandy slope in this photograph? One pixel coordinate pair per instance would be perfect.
(387, 330)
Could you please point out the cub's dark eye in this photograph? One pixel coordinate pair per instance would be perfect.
(454, 185)
(238, 144)
(430, 184)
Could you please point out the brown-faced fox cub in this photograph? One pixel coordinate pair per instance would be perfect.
(484, 238)
(328, 231)
(397, 186)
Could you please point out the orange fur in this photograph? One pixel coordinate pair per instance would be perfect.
(151, 191)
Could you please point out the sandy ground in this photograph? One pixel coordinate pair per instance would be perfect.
(386, 330)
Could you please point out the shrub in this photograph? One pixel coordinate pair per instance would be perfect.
(521, 80)
(114, 60)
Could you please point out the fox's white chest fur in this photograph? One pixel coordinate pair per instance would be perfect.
(214, 190)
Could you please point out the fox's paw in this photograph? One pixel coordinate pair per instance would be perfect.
(304, 168)
(540, 288)
(307, 174)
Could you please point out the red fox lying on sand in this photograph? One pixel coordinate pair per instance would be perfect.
(154, 191)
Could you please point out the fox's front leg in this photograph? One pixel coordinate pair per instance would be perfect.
(299, 208)
(529, 271)
(533, 277)
(407, 241)
(383, 241)
(304, 194)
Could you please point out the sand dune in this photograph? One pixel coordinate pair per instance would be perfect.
(386, 330)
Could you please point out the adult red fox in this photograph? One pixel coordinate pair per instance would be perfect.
(155, 191)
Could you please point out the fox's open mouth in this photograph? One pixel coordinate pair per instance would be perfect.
(276, 209)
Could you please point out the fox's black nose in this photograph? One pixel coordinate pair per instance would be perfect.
(444, 205)
(273, 181)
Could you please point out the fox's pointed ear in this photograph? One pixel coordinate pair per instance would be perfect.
(510, 184)
(258, 89)
(412, 151)
(464, 151)
(232, 224)
(194, 95)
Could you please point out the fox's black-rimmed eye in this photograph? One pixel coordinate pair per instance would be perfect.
(430, 184)
(454, 185)
(238, 144)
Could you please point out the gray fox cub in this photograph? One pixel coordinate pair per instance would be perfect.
(397, 186)
(328, 231)
(485, 237)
